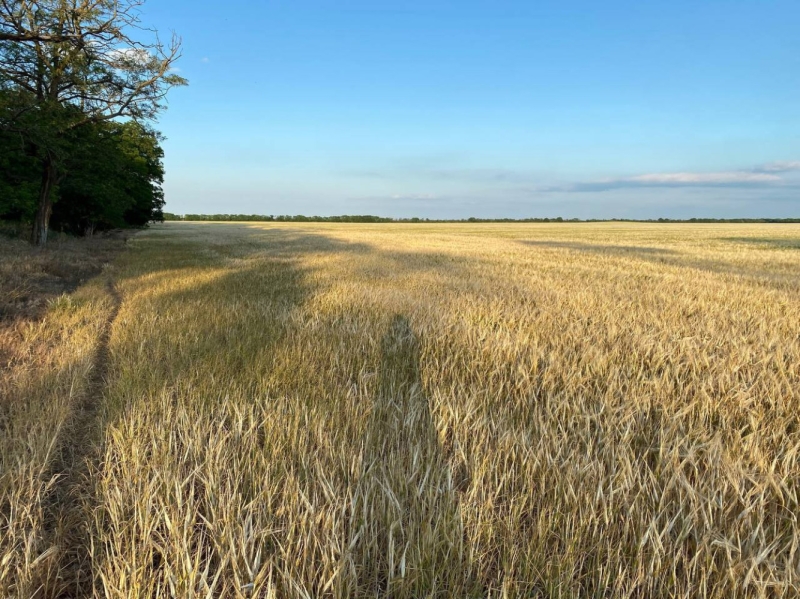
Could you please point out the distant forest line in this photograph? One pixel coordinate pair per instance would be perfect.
(368, 218)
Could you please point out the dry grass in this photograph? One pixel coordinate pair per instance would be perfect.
(511, 410)
(47, 347)
(30, 277)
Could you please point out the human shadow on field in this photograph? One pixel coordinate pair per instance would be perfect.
(169, 286)
(177, 269)
(410, 538)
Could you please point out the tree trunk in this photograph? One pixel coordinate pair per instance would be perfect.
(42, 220)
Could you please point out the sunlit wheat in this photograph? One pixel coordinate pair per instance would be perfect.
(442, 410)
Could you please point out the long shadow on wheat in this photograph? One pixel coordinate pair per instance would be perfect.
(409, 538)
(772, 275)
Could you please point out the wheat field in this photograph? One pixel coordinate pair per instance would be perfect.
(316, 410)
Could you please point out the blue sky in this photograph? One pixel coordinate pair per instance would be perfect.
(491, 109)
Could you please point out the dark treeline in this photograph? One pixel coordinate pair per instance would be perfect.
(110, 177)
(345, 218)
(367, 218)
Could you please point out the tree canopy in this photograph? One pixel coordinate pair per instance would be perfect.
(111, 178)
(71, 71)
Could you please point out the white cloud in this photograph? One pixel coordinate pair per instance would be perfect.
(762, 176)
(128, 56)
(719, 178)
(415, 196)
(780, 167)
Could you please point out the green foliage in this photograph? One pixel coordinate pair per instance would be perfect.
(110, 175)
(113, 179)
(69, 72)
(19, 178)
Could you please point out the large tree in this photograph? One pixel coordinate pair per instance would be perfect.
(67, 64)
(112, 179)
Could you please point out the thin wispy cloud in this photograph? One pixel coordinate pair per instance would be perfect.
(720, 178)
(772, 174)
(415, 196)
(126, 57)
(780, 167)
(472, 175)
(414, 200)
